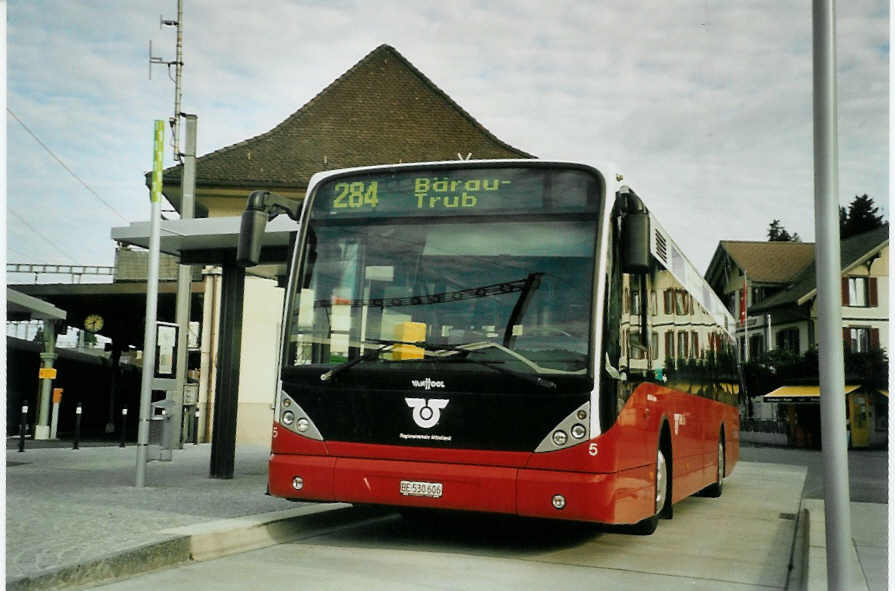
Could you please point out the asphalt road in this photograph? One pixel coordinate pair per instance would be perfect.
(867, 470)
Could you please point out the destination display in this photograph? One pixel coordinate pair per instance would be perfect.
(476, 191)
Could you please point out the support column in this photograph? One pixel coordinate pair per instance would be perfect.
(113, 387)
(184, 281)
(209, 348)
(42, 428)
(223, 443)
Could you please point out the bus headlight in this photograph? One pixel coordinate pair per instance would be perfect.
(288, 417)
(559, 501)
(560, 438)
(302, 425)
(578, 431)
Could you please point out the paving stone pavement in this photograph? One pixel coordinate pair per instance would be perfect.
(65, 507)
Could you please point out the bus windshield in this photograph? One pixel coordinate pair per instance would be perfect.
(514, 289)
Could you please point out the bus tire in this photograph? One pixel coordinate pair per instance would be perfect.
(715, 489)
(662, 488)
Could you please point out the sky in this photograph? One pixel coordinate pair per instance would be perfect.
(705, 105)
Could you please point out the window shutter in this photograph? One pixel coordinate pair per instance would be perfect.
(846, 338)
(871, 297)
(874, 339)
(669, 343)
(845, 291)
(668, 301)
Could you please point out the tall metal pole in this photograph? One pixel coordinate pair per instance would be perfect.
(184, 280)
(178, 68)
(829, 312)
(151, 304)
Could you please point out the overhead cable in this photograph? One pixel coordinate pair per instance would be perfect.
(70, 171)
(33, 229)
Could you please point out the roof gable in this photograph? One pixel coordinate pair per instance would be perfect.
(381, 111)
(770, 262)
(851, 252)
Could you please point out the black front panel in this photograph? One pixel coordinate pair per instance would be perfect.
(459, 408)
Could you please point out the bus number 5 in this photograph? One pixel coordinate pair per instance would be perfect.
(592, 449)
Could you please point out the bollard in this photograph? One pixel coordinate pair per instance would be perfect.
(123, 426)
(77, 427)
(196, 426)
(22, 426)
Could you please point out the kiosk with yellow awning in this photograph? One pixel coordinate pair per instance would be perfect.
(866, 413)
(799, 394)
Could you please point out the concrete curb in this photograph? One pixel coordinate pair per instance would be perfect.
(204, 541)
(814, 575)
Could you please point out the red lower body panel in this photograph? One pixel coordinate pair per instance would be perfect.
(623, 497)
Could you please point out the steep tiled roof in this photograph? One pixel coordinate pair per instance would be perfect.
(381, 111)
(852, 250)
(770, 262)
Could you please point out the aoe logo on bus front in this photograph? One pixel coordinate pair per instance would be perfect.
(426, 413)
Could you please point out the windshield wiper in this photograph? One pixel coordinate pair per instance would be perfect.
(371, 354)
(374, 353)
(464, 350)
(531, 378)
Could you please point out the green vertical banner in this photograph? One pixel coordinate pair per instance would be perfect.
(158, 148)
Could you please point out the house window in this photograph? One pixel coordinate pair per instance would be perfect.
(635, 302)
(858, 339)
(757, 295)
(756, 346)
(669, 301)
(694, 339)
(680, 302)
(654, 304)
(788, 340)
(857, 292)
(682, 348)
(654, 345)
(669, 345)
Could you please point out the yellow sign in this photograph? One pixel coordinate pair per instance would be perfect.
(47, 373)
(157, 156)
(57, 395)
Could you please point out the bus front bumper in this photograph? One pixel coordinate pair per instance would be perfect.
(621, 497)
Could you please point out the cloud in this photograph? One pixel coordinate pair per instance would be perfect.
(706, 106)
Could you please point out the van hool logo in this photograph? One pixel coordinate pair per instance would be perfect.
(426, 413)
(428, 383)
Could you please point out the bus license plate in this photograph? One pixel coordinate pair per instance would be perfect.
(413, 488)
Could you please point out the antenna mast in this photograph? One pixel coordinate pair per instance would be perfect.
(174, 121)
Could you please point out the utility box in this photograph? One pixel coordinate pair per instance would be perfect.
(161, 430)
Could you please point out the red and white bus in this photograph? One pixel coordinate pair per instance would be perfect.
(513, 336)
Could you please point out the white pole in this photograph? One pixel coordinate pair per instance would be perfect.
(829, 311)
(151, 305)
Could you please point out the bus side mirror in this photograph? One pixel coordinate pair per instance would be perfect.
(635, 243)
(251, 232)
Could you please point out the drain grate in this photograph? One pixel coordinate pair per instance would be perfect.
(788, 516)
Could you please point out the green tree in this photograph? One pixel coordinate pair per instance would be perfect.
(861, 216)
(777, 233)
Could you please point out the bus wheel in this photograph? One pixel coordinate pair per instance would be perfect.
(648, 525)
(714, 490)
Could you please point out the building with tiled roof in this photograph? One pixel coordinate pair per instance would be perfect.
(772, 286)
(381, 111)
